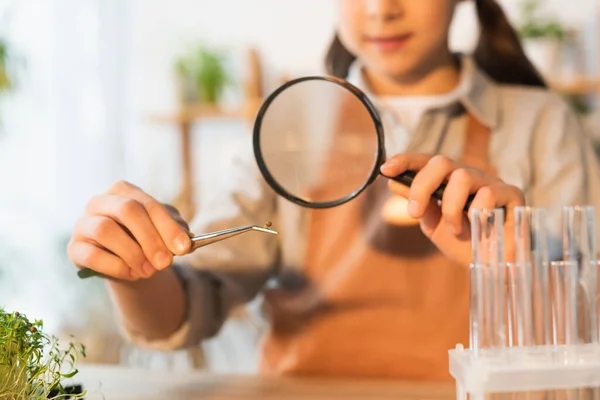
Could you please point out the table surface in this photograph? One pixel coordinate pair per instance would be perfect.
(112, 383)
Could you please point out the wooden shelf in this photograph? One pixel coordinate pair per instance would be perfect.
(194, 113)
(575, 86)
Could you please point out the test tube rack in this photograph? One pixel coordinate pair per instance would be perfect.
(505, 354)
(524, 369)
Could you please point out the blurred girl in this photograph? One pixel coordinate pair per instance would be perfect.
(378, 286)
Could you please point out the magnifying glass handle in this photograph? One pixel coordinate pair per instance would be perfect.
(406, 178)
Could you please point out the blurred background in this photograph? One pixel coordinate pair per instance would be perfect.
(163, 94)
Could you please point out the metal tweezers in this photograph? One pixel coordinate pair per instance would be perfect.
(199, 241)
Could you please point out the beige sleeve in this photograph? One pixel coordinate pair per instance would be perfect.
(225, 274)
(565, 167)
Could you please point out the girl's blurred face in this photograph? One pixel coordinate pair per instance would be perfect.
(396, 38)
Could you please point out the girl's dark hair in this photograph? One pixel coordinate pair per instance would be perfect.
(338, 59)
(499, 52)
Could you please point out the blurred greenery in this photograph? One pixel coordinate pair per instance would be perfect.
(535, 26)
(203, 74)
(6, 83)
(579, 104)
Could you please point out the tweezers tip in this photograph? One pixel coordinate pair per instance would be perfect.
(263, 229)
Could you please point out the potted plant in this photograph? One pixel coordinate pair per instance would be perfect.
(202, 75)
(32, 364)
(542, 37)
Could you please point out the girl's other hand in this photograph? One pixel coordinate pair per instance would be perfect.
(446, 224)
(127, 234)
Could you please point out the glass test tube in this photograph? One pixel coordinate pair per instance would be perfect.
(520, 316)
(480, 311)
(532, 263)
(579, 247)
(563, 294)
(488, 287)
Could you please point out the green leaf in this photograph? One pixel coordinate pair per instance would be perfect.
(70, 374)
(85, 273)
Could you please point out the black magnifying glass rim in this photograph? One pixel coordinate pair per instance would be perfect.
(272, 182)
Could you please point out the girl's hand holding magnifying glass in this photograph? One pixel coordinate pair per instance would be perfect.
(446, 224)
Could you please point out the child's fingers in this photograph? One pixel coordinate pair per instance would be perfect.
(498, 195)
(404, 162)
(173, 235)
(108, 234)
(427, 180)
(462, 183)
(87, 255)
(132, 215)
(416, 162)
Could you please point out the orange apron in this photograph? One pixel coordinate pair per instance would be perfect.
(378, 298)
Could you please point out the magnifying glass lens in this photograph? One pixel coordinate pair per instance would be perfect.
(316, 142)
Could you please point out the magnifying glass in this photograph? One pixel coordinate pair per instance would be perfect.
(319, 142)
